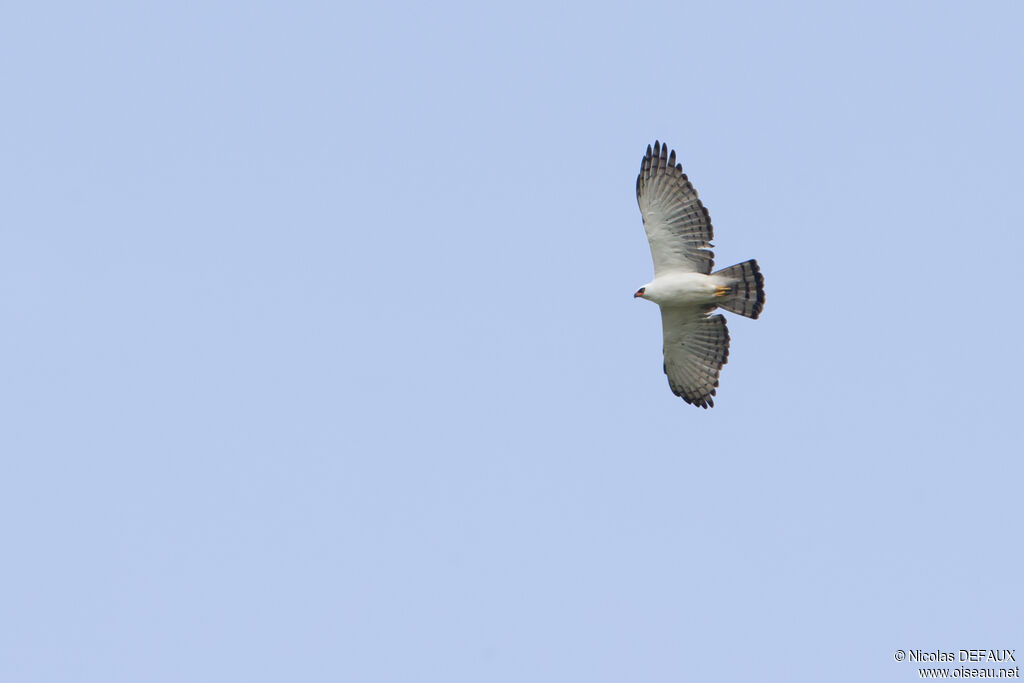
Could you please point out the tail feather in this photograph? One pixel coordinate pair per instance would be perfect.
(746, 292)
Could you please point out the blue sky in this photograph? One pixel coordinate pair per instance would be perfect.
(321, 360)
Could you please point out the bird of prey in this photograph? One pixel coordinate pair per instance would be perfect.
(696, 343)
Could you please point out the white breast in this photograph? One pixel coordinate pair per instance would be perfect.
(681, 289)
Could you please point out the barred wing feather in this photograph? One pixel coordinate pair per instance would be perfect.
(677, 224)
(696, 348)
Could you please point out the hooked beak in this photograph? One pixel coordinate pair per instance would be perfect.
(639, 292)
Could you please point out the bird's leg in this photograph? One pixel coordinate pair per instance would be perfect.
(722, 291)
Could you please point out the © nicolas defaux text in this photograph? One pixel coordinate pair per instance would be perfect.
(962, 656)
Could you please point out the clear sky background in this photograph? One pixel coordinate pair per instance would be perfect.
(321, 361)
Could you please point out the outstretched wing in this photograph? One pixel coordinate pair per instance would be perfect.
(677, 224)
(696, 348)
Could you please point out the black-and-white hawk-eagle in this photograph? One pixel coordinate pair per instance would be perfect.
(696, 343)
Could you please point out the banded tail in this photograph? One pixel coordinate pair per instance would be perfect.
(746, 293)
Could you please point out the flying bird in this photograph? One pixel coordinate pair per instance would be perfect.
(696, 343)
